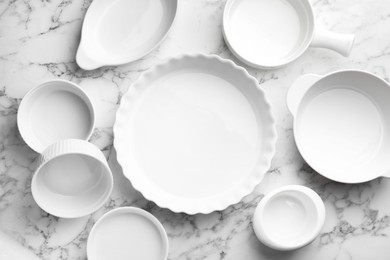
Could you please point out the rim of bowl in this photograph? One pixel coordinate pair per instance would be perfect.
(132, 210)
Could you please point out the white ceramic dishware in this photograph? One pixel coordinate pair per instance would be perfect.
(72, 179)
(268, 34)
(289, 217)
(55, 110)
(342, 124)
(195, 134)
(121, 31)
(127, 233)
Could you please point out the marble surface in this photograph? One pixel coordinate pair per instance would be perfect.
(38, 41)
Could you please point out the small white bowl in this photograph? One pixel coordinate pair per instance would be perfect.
(127, 233)
(289, 217)
(72, 179)
(55, 110)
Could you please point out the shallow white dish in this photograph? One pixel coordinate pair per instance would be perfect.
(122, 31)
(289, 217)
(267, 34)
(127, 233)
(342, 124)
(72, 179)
(55, 110)
(195, 134)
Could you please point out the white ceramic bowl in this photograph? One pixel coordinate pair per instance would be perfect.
(122, 31)
(268, 34)
(72, 179)
(55, 110)
(289, 217)
(342, 124)
(127, 233)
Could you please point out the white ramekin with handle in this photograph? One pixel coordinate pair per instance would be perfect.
(268, 34)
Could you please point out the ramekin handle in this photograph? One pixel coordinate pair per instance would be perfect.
(298, 89)
(341, 43)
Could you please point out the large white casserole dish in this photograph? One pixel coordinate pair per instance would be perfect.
(341, 124)
(195, 134)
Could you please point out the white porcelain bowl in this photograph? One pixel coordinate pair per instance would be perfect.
(289, 217)
(55, 110)
(342, 124)
(127, 233)
(72, 179)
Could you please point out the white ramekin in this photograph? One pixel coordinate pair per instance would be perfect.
(55, 110)
(289, 217)
(72, 180)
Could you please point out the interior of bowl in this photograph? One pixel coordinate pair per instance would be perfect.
(71, 185)
(289, 219)
(342, 126)
(55, 110)
(268, 33)
(121, 31)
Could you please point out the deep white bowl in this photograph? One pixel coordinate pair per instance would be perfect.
(289, 217)
(72, 179)
(342, 124)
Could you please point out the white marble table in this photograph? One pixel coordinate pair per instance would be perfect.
(38, 41)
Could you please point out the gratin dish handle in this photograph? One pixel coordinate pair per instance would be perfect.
(341, 43)
(84, 61)
(298, 89)
(386, 174)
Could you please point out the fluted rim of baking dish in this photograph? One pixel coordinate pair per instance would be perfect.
(201, 205)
